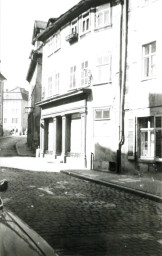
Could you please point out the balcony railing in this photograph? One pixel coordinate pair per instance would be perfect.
(73, 37)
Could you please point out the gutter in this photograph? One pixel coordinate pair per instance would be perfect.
(122, 79)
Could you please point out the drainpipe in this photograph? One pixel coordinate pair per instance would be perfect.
(122, 77)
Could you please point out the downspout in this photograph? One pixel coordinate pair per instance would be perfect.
(122, 78)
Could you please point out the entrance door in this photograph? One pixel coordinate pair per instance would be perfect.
(75, 134)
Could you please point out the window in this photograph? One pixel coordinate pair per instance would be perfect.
(5, 120)
(84, 73)
(74, 27)
(150, 137)
(14, 120)
(101, 122)
(57, 83)
(50, 86)
(85, 23)
(103, 68)
(149, 60)
(102, 114)
(54, 44)
(73, 77)
(103, 18)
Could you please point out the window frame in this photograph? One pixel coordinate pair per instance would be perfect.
(73, 76)
(101, 66)
(103, 12)
(102, 110)
(56, 83)
(149, 67)
(153, 129)
(84, 74)
(85, 20)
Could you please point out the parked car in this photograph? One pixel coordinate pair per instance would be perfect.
(16, 237)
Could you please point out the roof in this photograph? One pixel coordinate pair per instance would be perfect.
(17, 93)
(39, 26)
(34, 55)
(2, 77)
(71, 14)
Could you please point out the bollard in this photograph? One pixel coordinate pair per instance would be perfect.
(38, 152)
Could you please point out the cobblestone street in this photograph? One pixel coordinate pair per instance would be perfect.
(77, 217)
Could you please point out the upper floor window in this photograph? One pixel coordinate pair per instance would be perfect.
(149, 60)
(74, 27)
(54, 43)
(56, 83)
(85, 23)
(103, 18)
(103, 68)
(84, 73)
(73, 77)
(49, 86)
(14, 120)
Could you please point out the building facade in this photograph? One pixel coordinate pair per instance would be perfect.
(81, 80)
(142, 149)
(34, 77)
(14, 115)
(101, 86)
(2, 79)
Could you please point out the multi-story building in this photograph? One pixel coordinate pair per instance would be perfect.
(2, 79)
(14, 115)
(142, 150)
(81, 82)
(34, 77)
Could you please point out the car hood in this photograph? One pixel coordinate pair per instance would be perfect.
(18, 239)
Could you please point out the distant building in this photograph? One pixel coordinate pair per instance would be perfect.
(34, 77)
(2, 78)
(14, 116)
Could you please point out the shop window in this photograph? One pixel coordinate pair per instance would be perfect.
(150, 136)
(149, 60)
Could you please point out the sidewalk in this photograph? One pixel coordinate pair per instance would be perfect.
(148, 186)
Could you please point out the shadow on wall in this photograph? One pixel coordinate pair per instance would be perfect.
(104, 158)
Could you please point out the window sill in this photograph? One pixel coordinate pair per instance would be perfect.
(103, 27)
(85, 33)
(100, 83)
(148, 79)
(146, 160)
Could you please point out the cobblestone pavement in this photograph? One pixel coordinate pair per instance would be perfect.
(77, 217)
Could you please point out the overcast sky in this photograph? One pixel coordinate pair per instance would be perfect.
(16, 27)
